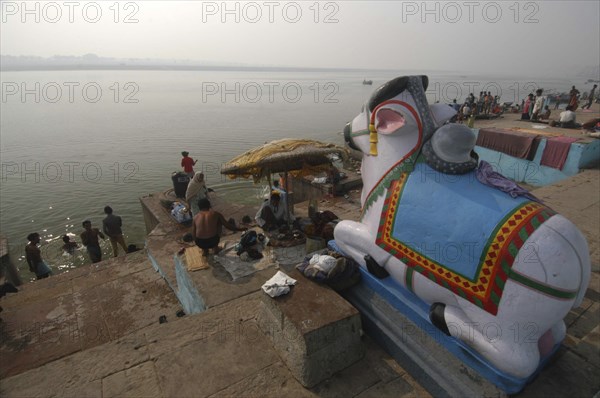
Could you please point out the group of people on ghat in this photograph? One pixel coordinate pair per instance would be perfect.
(485, 104)
(90, 238)
(575, 97)
(536, 108)
(207, 223)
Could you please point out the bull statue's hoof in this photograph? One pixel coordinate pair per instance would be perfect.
(375, 269)
(436, 316)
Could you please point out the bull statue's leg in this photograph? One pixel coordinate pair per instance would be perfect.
(559, 332)
(553, 336)
(501, 344)
(529, 323)
(357, 242)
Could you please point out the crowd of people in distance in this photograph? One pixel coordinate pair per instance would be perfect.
(537, 107)
(485, 104)
(533, 105)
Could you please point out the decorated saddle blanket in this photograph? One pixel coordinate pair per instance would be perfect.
(456, 231)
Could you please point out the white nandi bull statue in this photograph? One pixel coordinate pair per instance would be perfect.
(476, 254)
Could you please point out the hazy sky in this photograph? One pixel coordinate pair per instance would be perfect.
(549, 38)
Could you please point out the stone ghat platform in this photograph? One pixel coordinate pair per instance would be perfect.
(199, 290)
(95, 332)
(315, 331)
(578, 199)
(115, 329)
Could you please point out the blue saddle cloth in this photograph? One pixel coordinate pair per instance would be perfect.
(450, 218)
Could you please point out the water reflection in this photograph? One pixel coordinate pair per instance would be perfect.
(54, 255)
(238, 191)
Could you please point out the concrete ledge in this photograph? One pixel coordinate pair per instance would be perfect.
(581, 155)
(186, 291)
(416, 347)
(314, 330)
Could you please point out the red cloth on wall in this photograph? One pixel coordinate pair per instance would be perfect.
(513, 143)
(556, 151)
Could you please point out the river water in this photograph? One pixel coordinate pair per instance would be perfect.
(72, 142)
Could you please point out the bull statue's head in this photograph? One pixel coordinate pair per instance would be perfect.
(397, 124)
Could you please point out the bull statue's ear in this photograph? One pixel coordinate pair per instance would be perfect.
(441, 113)
(388, 121)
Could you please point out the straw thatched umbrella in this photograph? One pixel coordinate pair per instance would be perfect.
(281, 156)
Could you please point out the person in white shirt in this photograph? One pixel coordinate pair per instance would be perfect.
(464, 112)
(196, 190)
(567, 118)
(539, 104)
(272, 213)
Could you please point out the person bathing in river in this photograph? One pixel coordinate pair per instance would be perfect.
(33, 255)
(207, 226)
(89, 238)
(69, 247)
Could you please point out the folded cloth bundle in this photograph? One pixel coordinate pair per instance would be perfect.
(278, 285)
(331, 268)
(323, 262)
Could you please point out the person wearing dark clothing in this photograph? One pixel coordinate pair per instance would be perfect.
(69, 247)
(89, 238)
(111, 226)
(33, 255)
(272, 213)
(207, 226)
(590, 98)
(527, 107)
(574, 99)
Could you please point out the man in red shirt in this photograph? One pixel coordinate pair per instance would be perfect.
(188, 164)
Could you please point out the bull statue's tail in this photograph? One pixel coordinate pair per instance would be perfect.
(585, 272)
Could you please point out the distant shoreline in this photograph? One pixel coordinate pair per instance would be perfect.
(241, 68)
(13, 68)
